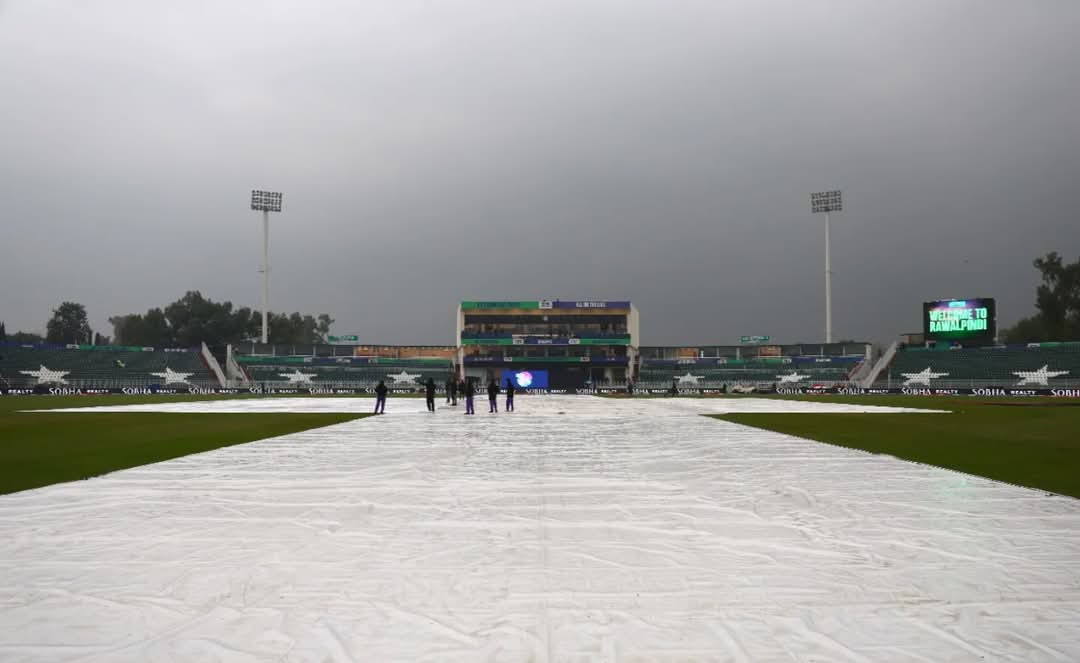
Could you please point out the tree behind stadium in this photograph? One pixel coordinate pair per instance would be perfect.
(194, 319)
(1057, 301)
(68, 324)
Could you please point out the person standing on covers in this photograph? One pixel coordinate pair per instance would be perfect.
(451, 388)
(468, 390)
(429, 390)
(629, 387)
(509, 395)
(461, 387)
(380, 398)
(493, 396)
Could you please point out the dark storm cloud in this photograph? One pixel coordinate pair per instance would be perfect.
(430, 152)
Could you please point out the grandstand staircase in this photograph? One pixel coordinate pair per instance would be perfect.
(863, 369)
(237, 376)
(882, 363)
(213, 365)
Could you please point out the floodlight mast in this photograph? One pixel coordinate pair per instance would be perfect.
(266, 202)
(827, 201)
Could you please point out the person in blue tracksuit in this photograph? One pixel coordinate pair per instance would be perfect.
(493, 396)
(380, 398)
(469, 391)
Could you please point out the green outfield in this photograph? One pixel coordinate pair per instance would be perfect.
(42, 448)
(1029, 442)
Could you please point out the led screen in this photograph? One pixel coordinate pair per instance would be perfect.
(525, 378)
(961, 320)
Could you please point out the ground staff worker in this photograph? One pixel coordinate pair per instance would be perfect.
(509, 395)
(469, 392)
(429, 391)
(380, 398)
(493, 396)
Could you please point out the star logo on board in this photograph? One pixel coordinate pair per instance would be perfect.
(296, 377)
(1040, 377)
(689, 379)
(791, 378)
(47, 376)
(403, 377)
(172, 377)
(922, 377)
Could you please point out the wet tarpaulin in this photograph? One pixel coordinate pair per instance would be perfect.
(576, 529)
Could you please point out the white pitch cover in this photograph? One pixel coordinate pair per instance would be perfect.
(575, 529)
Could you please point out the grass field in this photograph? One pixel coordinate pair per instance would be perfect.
(1029, 442)
(42, 448)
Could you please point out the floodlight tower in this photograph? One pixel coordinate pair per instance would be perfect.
(827, 201)
(266, 202)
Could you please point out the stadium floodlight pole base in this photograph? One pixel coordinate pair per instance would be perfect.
(266, 273)
(828, 283)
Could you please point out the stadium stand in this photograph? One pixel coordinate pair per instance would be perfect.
(101, 366)
(1035, 365)
(344, 372)
(759, 366)
(709, 374)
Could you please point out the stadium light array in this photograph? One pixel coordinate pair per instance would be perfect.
(266, 202)
(824, 202)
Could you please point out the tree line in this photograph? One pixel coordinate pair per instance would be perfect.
(1057, 304)
(188, 322)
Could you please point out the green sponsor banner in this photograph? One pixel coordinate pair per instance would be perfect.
(754, 339)
(486, 305)
(563, 342)
(348, 338)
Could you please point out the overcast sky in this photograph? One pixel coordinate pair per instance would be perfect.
(429, 152)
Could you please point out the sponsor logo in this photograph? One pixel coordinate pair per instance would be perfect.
(1065, 393)
(64, 391)
(993, 391)
(911, 391)
(916, 392)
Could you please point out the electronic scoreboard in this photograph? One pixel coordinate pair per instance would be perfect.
(965, 321)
